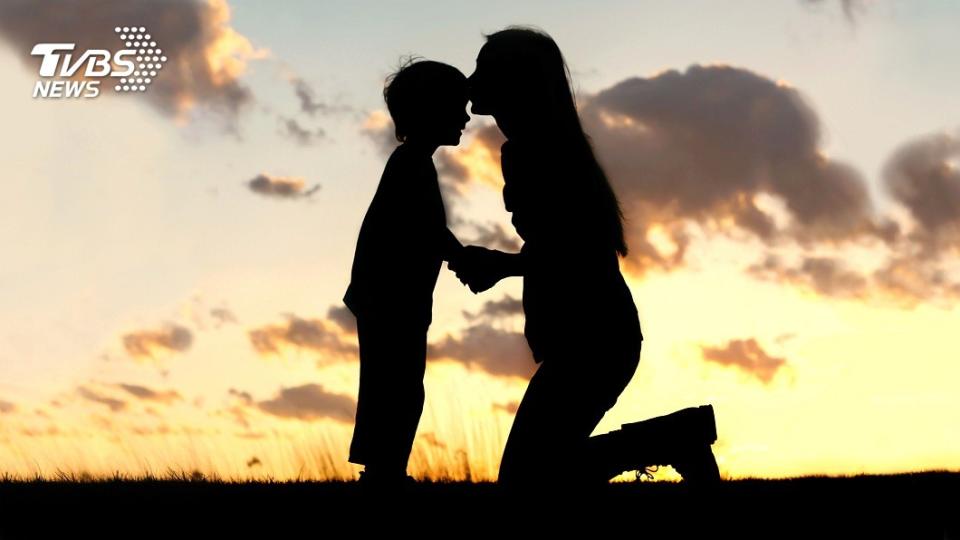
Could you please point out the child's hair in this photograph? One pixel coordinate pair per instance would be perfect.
(414, 87)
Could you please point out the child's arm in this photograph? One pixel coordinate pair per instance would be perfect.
(480, 268)
(451, 248)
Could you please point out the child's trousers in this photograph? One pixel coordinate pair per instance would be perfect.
(391, 395)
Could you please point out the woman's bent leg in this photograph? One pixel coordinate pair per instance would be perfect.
(564, 402)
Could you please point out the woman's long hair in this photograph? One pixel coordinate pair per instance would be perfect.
(540, 80)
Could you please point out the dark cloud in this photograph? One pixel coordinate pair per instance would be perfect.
(824, 275)
(501, 353)
(493, 236)
(309, 103)
(245, 397)
(280, 186)
(344, 318)
(146, 343)
(114, 404)
(911, 280)
(310, 402)
(302, 135)
(206, 56)
(746, 355)
(313, 334)
(924, 176)
(239, 409)
(703, 144)
(222, 316)
(147, 394)
(485, 345)
(504, 307)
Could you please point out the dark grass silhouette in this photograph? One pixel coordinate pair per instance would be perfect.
(184, 504)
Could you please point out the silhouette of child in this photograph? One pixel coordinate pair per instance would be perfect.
(402, 243)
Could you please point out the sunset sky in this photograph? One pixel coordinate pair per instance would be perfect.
(174, 259)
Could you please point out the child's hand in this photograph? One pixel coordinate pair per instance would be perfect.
(476, 268)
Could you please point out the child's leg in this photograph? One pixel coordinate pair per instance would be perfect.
(410, 358)
(390, 398)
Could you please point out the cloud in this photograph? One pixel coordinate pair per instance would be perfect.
(501, 353)
(114, 404)
(7, 406)
(309, 104)
(207, 57)
(475, 161)
(238, 411)
(747, 356)
(491, 235)
(923, 175)
(310, 402)
(302, 135)
(485, 345)
(824, 275)
(378, 127)
(498, 352)
(913, 279)
(344, 318)
(145, 344)
(705, 144)
(146, 394)
(280, 186)
(313, 334)
(222, 316)
(504, 307)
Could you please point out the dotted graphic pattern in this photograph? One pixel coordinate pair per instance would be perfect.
(150, 59)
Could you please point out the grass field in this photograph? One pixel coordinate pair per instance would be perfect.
(918, 505)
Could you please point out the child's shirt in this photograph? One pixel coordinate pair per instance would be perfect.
(402, 244)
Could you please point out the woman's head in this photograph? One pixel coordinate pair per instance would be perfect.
(522, 80)
(521, 77)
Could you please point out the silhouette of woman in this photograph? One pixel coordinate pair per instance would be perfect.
(581, 322)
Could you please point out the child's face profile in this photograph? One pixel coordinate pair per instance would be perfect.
(446, 117)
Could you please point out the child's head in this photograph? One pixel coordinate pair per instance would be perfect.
(428, 102)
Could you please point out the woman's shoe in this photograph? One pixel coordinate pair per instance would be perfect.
(681, 439)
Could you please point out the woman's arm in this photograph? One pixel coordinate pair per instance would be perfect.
(481, 268)
(450, 247)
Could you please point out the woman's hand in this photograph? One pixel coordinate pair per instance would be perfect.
(480, 268)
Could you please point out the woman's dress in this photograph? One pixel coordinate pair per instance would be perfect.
(580, 319)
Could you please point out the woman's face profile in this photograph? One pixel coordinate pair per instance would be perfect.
(480, 83)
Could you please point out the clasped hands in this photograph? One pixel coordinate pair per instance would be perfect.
(478, 268)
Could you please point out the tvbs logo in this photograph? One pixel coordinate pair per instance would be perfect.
(136, 66)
